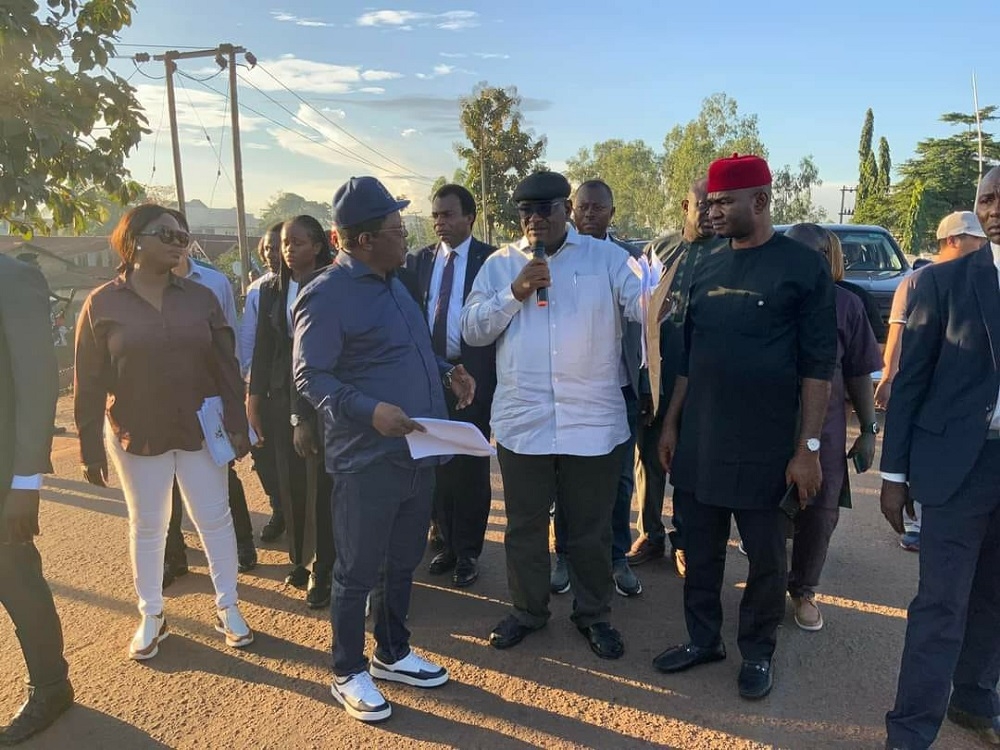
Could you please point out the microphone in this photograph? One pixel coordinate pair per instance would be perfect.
(542, 293)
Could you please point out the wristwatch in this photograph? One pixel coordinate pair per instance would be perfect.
(812, 445)
(295, 420)
(447, 377)
(871, 429)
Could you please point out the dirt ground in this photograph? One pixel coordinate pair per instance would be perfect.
(832, 688)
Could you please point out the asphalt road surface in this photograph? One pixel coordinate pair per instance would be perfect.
(832, 687)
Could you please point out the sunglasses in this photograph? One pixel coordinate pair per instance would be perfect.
(542, 208)
(177, 237)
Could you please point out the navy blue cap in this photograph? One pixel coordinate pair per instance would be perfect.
(361, 199)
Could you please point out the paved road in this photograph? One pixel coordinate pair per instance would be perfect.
(832, 688)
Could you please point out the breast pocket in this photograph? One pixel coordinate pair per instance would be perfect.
(753, 313)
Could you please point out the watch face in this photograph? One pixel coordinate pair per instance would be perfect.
(812, 444)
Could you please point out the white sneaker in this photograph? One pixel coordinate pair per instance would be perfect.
(410, 670)
(232, 625)
(360, 698)
(146, 641)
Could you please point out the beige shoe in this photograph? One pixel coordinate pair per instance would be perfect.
(807, 614)
(146, 641)
(232, 625)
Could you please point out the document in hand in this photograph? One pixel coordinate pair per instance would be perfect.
(447, 438)
(220, 447)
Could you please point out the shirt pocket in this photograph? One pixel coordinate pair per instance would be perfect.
(752, 313)
(591, 319)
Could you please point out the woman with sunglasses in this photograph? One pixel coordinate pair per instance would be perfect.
(159, 345)
(280, 417)
(858, 357)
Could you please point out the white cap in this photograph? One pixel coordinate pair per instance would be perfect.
(960, 222)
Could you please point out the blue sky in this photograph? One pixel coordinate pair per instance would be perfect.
(390, 75)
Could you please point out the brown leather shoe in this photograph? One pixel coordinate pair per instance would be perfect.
(645, 549)
(43, 707)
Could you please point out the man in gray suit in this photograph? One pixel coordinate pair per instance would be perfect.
(942, 448)
(593, 212)
(29, 387)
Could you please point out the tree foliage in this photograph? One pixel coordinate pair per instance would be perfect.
(719, 130)
(871, 199)
(792, 194)
(67, 122)
(632, 170)
(498, 145)
(283, 206)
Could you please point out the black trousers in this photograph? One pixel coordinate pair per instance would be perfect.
(237, 506)
(651, 486)
(265, 465)
(814, 526)
(307, 513)
(462, 499)
(380, 518)
(762, 608)
(586, 488)
(952, 649)
(27, 598)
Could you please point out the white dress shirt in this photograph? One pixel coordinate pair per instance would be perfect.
(248, 324)
(221, 287)
(454, 348)
(293, 292)
(995, 419)
(558, 388)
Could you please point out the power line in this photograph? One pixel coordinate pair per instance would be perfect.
(340, 127)
(155, 46)
(222, 138)
(218, 154)
(143, 73)
(159, 129)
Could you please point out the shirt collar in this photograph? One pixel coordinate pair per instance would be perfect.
(572, 238)
(462, 250)
(996, 253)
(124, 281)
(357, 268)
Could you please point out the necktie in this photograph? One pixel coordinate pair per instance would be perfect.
(439, 333)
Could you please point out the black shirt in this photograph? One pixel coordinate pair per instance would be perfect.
(759, 320)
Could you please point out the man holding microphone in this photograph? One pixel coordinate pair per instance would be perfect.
(558, 412)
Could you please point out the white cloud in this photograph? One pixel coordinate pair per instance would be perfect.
(455, 55)
(257, 146)
(441, 70)
(492, 56)
(311, 77)
(404, 20)
(197, 108)
(371, 90)
(283, 17)
(410, 132)
(338, 114)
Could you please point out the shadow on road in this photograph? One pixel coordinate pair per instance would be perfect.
(87, 727)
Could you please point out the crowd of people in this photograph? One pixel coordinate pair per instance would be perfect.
(722, 358)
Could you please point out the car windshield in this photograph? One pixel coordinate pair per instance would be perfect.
(868, 253)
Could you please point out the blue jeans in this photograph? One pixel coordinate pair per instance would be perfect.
(621, 514)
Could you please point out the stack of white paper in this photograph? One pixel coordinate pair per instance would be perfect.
(220, 447)
(447, 438)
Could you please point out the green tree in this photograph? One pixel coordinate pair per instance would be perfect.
(884, 167)
(719, 130)
(632, 170)
(792, 194)
(68, 122)
(871, 200)
(497, 146)
(915, 221)
(283, 206)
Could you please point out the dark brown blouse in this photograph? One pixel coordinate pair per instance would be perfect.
(151, 369)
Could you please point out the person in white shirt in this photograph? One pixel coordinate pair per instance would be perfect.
(558, 412)
(264, 460)
(942, 447)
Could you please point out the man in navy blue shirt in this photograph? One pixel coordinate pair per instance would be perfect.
(363, 358)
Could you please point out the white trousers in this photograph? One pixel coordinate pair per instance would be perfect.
(147, 482)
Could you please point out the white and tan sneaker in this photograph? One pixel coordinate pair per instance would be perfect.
(807, 614)
(146, 641)
(360, 698)
(232, 625)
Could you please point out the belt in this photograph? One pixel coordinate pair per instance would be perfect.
(993, 434)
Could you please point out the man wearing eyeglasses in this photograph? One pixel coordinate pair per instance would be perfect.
(175, 556)
(558, 412)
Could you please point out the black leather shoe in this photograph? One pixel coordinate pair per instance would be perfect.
(435, 538)
(274, 528)
(645, 549)
(756, 679)
(986, 728)
(442, 563)
(604, 640)
(43, 707)
(466, 572)
(687, 655)
(509, 632)
(299, 577)
(318, 594)
(246, 558)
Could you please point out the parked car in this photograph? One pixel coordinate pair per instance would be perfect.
(872, 260)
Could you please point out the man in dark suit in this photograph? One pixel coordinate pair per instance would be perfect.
(29, 387)
(440, 278)
(942, 448)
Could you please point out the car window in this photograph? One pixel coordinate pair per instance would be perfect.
(868, 252)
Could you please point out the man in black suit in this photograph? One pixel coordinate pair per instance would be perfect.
(942, 448)
(440, 278)
(29, 387)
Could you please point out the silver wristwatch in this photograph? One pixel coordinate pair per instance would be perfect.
(295, 420)
(812, 445)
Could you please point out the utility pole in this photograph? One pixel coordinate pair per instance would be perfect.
(169, 59)
(482, 181)
(843, 197)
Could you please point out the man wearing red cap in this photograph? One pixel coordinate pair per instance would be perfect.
(760, 340)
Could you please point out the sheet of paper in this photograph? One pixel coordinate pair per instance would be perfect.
(447, 438)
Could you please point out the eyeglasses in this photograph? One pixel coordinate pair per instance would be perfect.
(542, 208)
(401, 231)
(177, 237)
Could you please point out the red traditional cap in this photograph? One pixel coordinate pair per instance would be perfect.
(738, 172)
